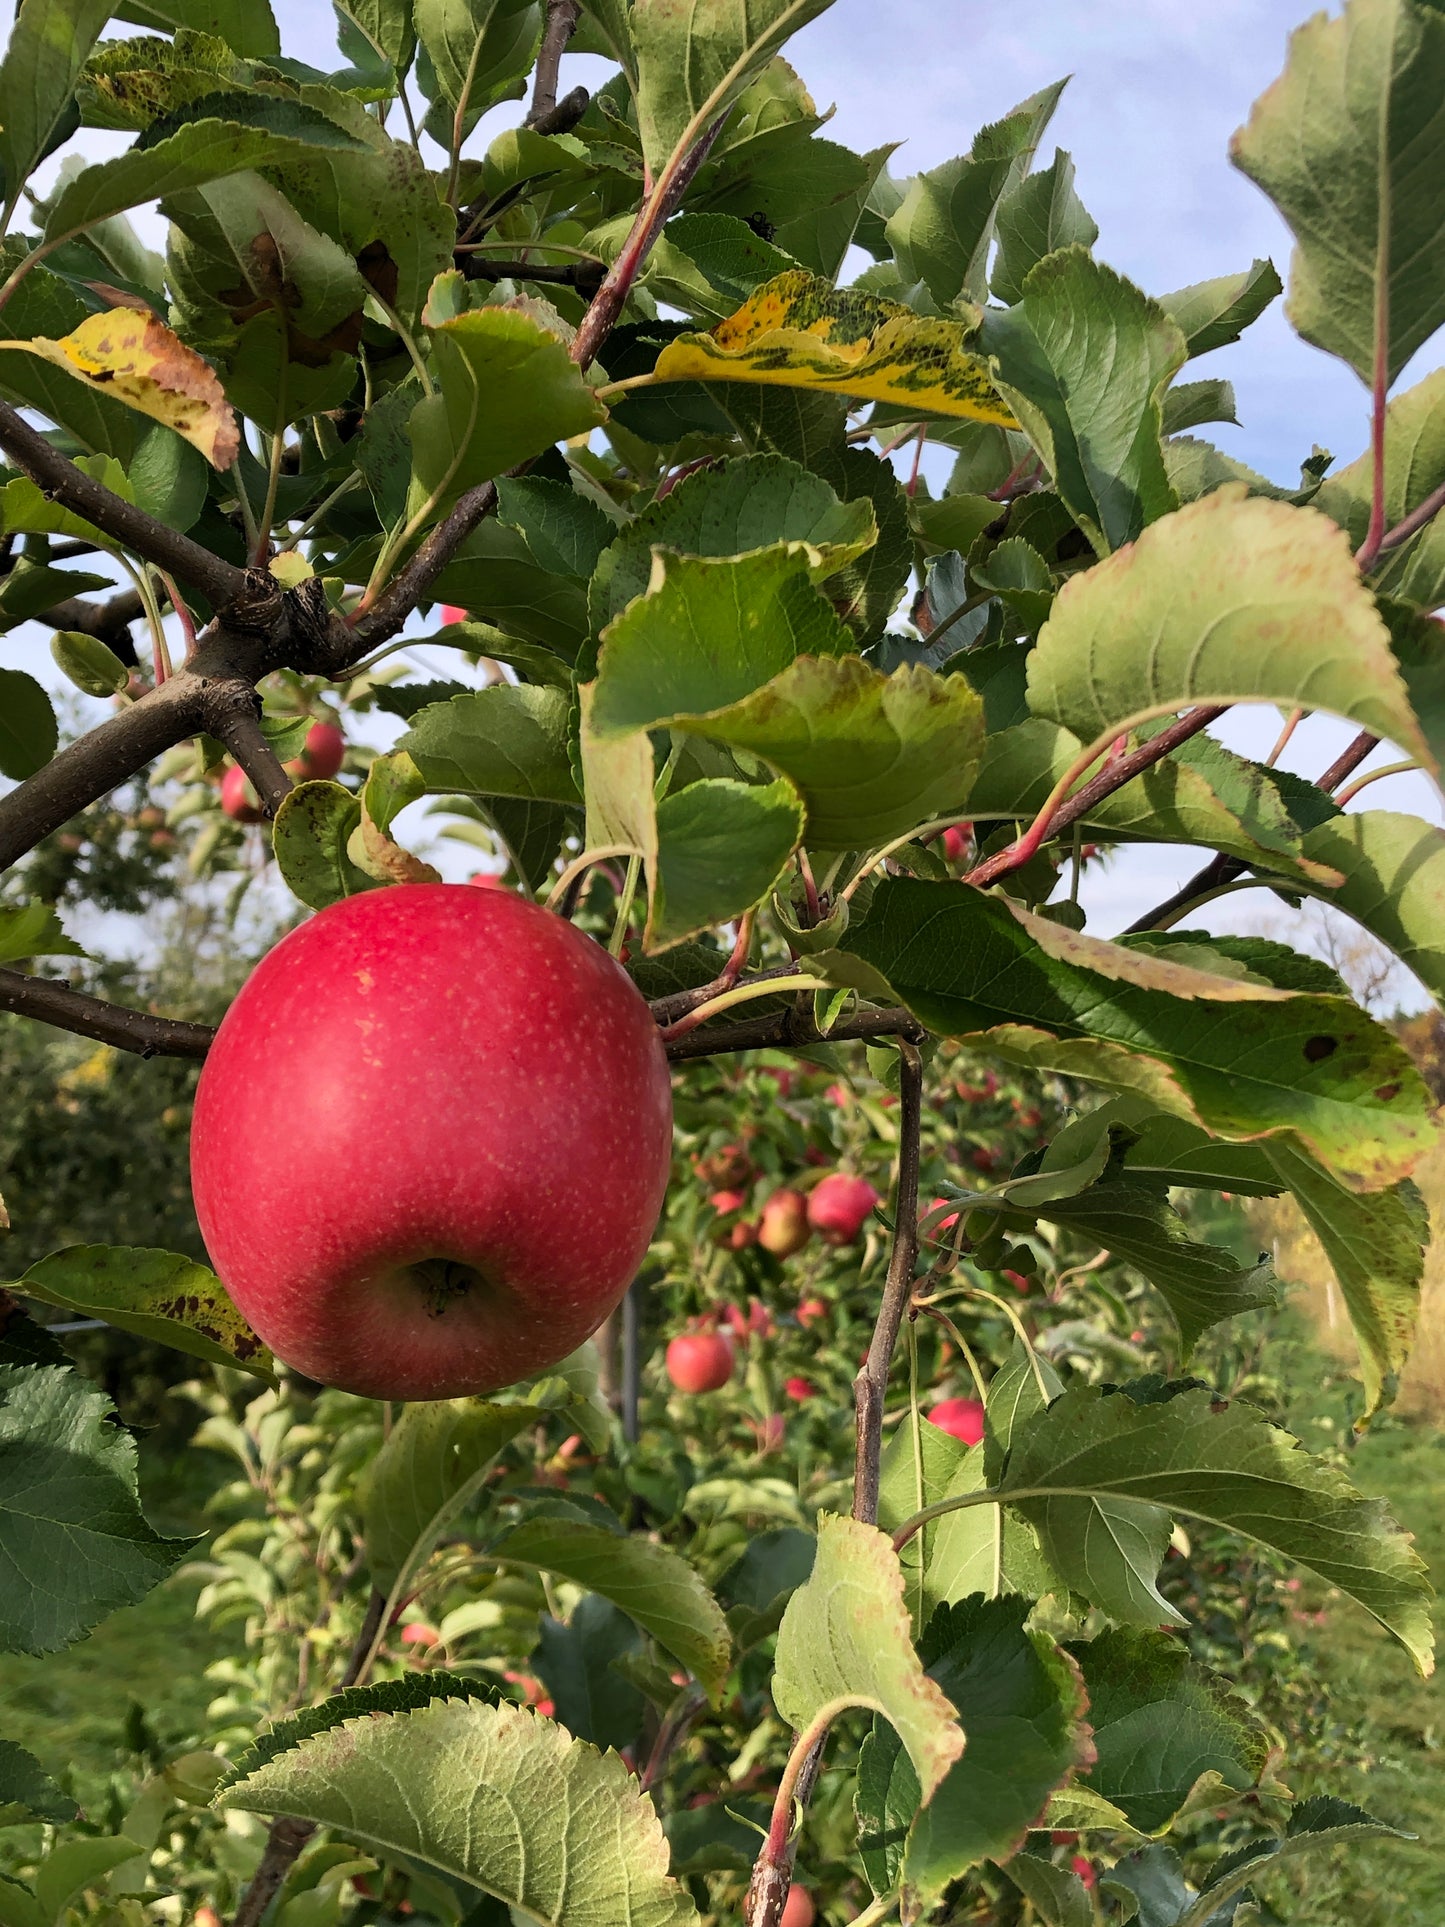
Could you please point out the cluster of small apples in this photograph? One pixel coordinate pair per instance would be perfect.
(321, 758)
(836, 1207)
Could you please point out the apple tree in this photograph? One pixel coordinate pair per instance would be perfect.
(791, 767)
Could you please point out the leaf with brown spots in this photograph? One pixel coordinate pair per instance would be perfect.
(155, 1294)
(136, 359)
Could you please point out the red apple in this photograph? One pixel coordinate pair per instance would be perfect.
(238, 800)
(797, 1909)
(487, 880)
(741, 1236)
(956, 841)
(724, 1201)
(726, 1169)
(838, 1207)
(418, 1633)
(323, 752)
(960, 1417)
(784, 1227)
(810, 1311)
(799, 1389)
(431, 1140)
(699, 1361)
(453, 612)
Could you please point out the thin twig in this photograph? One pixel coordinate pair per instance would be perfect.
(562, 18)
(61, 481)
(790, 1030)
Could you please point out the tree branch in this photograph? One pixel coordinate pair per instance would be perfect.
(133, 1030)
(60, 480)
(241, 732)
(390, 611)
(1113, 776)
(788, 1030)
(871, 1385)
(586, 276)
(562, 17)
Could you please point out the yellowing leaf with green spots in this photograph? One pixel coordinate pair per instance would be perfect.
(137, 360)
(797, 331)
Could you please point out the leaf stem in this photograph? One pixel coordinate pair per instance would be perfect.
(742, 994)
(1351, 790)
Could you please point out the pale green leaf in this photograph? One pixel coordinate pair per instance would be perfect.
(1037, 217)
(1243, 1061)
(85, 660)
(506, 390)
(158, 1295)
(1375, 1243)
(247, 25)
(1349, 143)
(74, 1544)
(42, 65)
(846, 1641)
(694, 58)
(428, 1471)
(310, 839)
(32, 930)
(1223, 1463)
(1083, 360)
(721, 847)
(492, 1795)
(650, 1582)
(1414, 470)
(1233, 599)
(479, 51)
(1213, 314)
(503, 741)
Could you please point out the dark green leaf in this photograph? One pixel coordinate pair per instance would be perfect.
(28, 731)
(1212, 314)
(1037, 217)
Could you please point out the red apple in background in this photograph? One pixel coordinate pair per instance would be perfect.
(323, 752)
(453, 612)
(238, 800)
(727, 1169)
(487, 880)
(430, 1142)
(799, 1389)
(724, 1201)
(784, 1226)
(741, 1236)
(956, 841)
(810, 1311)
(838, 1207)
(699, 1361)
(962, 1418)
(797, 1909)
(418, 1633)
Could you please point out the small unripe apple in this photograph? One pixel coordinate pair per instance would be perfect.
(323, 752)
(699, 1361)
(431, 1140)
(962, 1418)
(797, 1909)
(238, 800)
(838, 1207)
(784, 1226)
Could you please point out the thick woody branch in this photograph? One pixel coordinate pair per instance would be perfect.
(562, 18)
(72, 1010)
(414, 585)
(61, 481)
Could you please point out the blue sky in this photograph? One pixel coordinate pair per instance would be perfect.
(1156, 89)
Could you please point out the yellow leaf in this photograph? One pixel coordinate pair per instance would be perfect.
(800, 332)
(137, 360)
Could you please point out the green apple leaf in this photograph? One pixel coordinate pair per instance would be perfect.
(1202, 1284)
(32, 930)
(1056, 1894)
(506, 390)
(755, 1589)
(387, 26)
(158, 1295)
(27, 1791)
(694, 58)
(1319, 1822)
(427, 1473)
(479, 51)
(491, 1795)
(941, 231)
(1414, 572)
(310, 838)
(971, 965)
(74, 1544)
(1200, 1457)
(1375, 1243)
(38, 77)
(651, 1583)
(1021, 1705)
(28, 729)
(1233, 599)
(1083, 360)
(509, 740)
(1160, 1723)
(1392, 870)
(1349, 144)
(721, 847)
(1038, 216)
(743, 505)
(247, 25)
(845, 1640)
(1214, 314)
(582, 1660)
